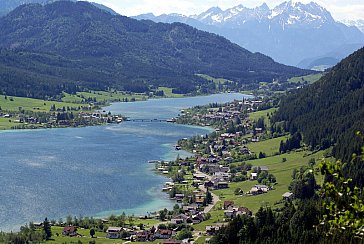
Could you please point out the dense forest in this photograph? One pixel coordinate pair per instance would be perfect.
(326, 114)
(79, 45)
(329, 112)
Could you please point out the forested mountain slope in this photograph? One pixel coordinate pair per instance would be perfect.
(330, 111)
(81, 45)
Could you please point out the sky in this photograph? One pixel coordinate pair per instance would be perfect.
(340, 9)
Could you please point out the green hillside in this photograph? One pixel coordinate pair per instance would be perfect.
(66, 46)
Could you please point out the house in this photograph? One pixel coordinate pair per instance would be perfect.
(181, 219)
(222, 185)
(242, 210)
(262, 168)
(200, 198)
(179, 197)
(199, 176)
(227, 204)
(144, 236)
(245, 150)
(229, 214)
(287, 196)
(162, 234)
(197, 218)
(211, 230)
(259, 189)
(223, 175)
(253, 176)
(114, 232)
(208, 184)
(192, 209)
(70, 231)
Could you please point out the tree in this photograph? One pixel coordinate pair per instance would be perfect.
(208, 197)
(162, 215)
(184, 234)
(344, 201)
(92, 233)
(47, 229)
(303, 184)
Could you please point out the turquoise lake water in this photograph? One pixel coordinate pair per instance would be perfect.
(93, 171)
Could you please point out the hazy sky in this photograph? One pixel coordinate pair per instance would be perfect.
(340, 9)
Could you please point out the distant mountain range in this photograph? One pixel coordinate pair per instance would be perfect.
(289, 33)
(45, 49)
(357, 23)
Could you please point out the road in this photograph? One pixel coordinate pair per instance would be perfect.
(215, 198)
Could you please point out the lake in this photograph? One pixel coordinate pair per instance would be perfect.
(93, 171)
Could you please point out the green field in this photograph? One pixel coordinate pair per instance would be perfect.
(217, 81)
(30, 104)
(103, 96)
(168, 92)
(263, 113)
(309, 78)
(85, 233)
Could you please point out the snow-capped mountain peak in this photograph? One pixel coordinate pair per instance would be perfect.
(287, 14)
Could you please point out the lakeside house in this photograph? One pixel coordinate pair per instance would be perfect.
(114, 232)
(163, 234)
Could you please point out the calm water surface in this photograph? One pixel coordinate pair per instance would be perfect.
(92, 171)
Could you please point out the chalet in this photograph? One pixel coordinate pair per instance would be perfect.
(162, 234)
(208, 184)
(192, 209)
(223, 175)
(181, 219)
(243, 210)
(233, 212)
(259, 189)
(287, 196)
(144, 236)
(114, 232)
(227, 204)
(69, 231)
(197, 218)
(212, 230)
(200, 198)
(229, 214)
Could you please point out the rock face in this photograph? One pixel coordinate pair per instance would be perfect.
(289, 33)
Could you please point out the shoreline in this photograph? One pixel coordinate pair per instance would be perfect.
(104, 213)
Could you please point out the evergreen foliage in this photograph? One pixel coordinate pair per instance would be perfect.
(66, 46)
(330, 111)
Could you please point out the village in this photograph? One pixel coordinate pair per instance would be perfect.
(220, 159)
(58, 117)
